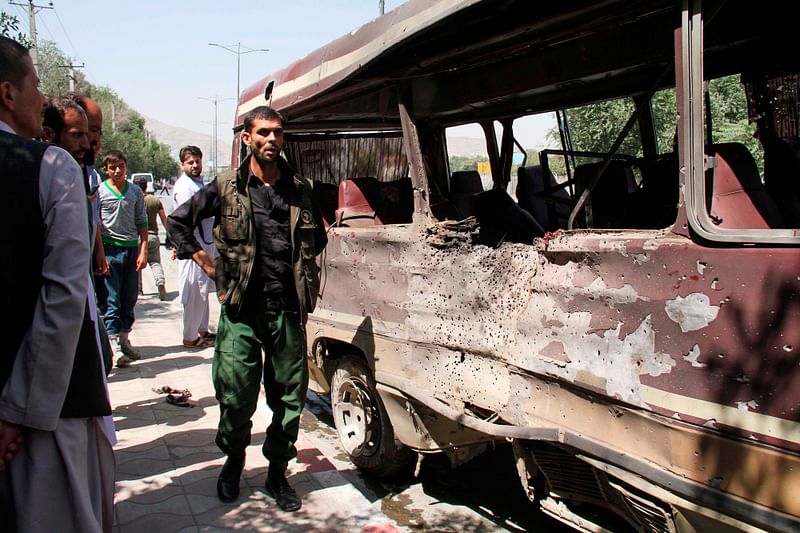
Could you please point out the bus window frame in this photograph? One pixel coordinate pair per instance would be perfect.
(693, 160)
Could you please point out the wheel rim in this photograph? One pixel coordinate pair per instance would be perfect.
(356, 417)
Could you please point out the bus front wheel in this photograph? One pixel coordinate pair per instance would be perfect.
(362, 423)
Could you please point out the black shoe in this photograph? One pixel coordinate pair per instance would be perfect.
(228, 482)
(285, 496)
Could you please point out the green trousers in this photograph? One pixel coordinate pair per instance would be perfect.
(237, 371)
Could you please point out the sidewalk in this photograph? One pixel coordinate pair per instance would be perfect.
(167, 462)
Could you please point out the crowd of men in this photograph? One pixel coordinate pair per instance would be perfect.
(75, 245)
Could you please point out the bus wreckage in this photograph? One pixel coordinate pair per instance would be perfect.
(622, 312)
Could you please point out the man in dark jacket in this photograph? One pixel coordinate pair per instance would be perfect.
(268, 233)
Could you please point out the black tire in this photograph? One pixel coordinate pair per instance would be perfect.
(364, 428)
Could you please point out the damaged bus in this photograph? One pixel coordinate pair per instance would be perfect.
(618, 304)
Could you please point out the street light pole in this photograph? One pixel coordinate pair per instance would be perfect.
(214, 155)
(238, 51)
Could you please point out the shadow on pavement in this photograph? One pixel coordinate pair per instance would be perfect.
(140, 414)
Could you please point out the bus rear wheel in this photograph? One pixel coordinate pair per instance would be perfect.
(362, 423)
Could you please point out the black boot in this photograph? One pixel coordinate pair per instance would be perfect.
(228, 482)
(278, 487)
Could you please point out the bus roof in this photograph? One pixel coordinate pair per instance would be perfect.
(325, 68)
(433, 48)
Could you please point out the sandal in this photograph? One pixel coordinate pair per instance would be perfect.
(181, 400)
(208, 335)
(166, 389)
(198, 343)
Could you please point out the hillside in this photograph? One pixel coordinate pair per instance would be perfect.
(176, 138)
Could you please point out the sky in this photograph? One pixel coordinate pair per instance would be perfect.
(155, 54)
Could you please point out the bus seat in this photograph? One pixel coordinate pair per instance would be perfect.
(326, 196)
(500, 219)
(738, 198)
(530, 189)
(782, 177)
(463, 184)
(611, 196)
(360, 200)
(398, 201)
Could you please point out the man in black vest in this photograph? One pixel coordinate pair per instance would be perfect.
(56, 462)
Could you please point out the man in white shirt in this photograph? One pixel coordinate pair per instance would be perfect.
(193, 284)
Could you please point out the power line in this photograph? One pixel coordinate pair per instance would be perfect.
(33, 9)
(46, 27)
(66, 34)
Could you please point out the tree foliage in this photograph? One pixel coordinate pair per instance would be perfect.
(123, 128)
(54, 71)
(595, 127)
(9, 27)
(461, 162)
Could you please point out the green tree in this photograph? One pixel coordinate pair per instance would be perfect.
(123, 128)
(9, 27)
(54, 71)
(729, 118)
(460, 162)
(595, 127)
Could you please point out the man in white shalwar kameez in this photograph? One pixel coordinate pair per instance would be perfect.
(56, 461)
(193, 284)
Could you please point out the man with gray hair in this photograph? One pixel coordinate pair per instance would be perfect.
(56, 461)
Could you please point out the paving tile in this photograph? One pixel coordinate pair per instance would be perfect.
(158, 451)
(158, 523)
(202, 503)
(201, 474)
(175, 505)
(143, 467)
(146, 491)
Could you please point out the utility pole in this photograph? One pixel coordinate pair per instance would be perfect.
(32, 10)
(380, 6)
(214, 100)
(72, 74)
(238, 51)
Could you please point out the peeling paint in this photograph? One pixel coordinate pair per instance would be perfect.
(615, 246)
(692, 357)
(693, 312)
(701, 267)
(751, 405)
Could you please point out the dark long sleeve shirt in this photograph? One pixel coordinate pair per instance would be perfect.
(271, 284)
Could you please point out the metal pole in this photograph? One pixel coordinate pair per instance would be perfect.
(238, 68)
(32, 25)
(32, 28)
(238, 51)
(213, 174)
(214, 152)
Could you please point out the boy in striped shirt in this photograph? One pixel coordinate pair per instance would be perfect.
(123, 223)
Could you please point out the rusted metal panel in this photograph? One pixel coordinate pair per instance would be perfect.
(647, 321)
(334, 63)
